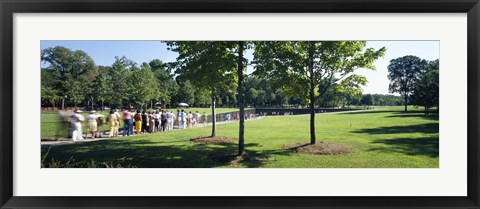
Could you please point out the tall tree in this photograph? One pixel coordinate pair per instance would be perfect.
(49, 90)
(241, 101)
(402, 73)
(426, 89)
(101, 88)
(145, 86)
(72, 69)
(76, 90)
(305, 66)
(49, 94)
(209, 65)
(213, 65)
(167, 85)
(118, 81)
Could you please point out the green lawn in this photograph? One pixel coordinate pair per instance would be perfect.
(381, 138)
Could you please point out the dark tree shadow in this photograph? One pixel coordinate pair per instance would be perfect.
(251, 158)
(432, 116)
(418, 128)
(368, 112)
(147, 154)
(427, 146)
(410, 113)
(140, 153)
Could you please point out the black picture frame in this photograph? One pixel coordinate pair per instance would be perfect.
(10, 7)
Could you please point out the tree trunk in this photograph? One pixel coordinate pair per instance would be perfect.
(426, 110)
(240, 99)
(214, 117)
(406, 100)
(312, 99)
(312, 115)
(63, 103)
(102, 105)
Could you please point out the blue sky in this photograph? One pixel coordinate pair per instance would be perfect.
(104, 52)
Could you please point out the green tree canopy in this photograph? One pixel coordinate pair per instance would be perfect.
(403, 73)
(305, 66)
(426, 89)
(167, 86)
(209, 65)
(71, 72)
(118, 81)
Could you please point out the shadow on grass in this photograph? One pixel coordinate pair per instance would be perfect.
(147, 154)
(432, 116)
(368, 112)
(396, 112)
(427, 146)
(418, 128)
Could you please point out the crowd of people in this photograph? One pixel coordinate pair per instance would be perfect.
(134, 122)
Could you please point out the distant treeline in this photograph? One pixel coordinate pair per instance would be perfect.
(339, 100)
(71, 79)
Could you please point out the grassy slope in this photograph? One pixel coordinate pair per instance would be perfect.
(385, 138)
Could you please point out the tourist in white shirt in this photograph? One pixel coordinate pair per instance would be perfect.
(76, 123)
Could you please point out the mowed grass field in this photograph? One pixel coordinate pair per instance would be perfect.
(385, 137)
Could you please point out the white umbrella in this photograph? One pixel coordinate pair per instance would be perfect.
(182, 104)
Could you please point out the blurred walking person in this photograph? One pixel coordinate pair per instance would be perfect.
(92, 124)
(195, 118)
(157, 121)
(118, 118)
(113, 123)
(163, 118)
(204, 118)
(127, 122)
(138, 122)
(99, 132)
(145, 121)
(76, 123)
(177, 119)
(151, 127)
(170, 119)
(182, 119)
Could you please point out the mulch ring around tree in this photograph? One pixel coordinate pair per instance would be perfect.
(320, 148)
(214, 140)
(249, 159)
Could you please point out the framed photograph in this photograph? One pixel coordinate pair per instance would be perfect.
(265, 104)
